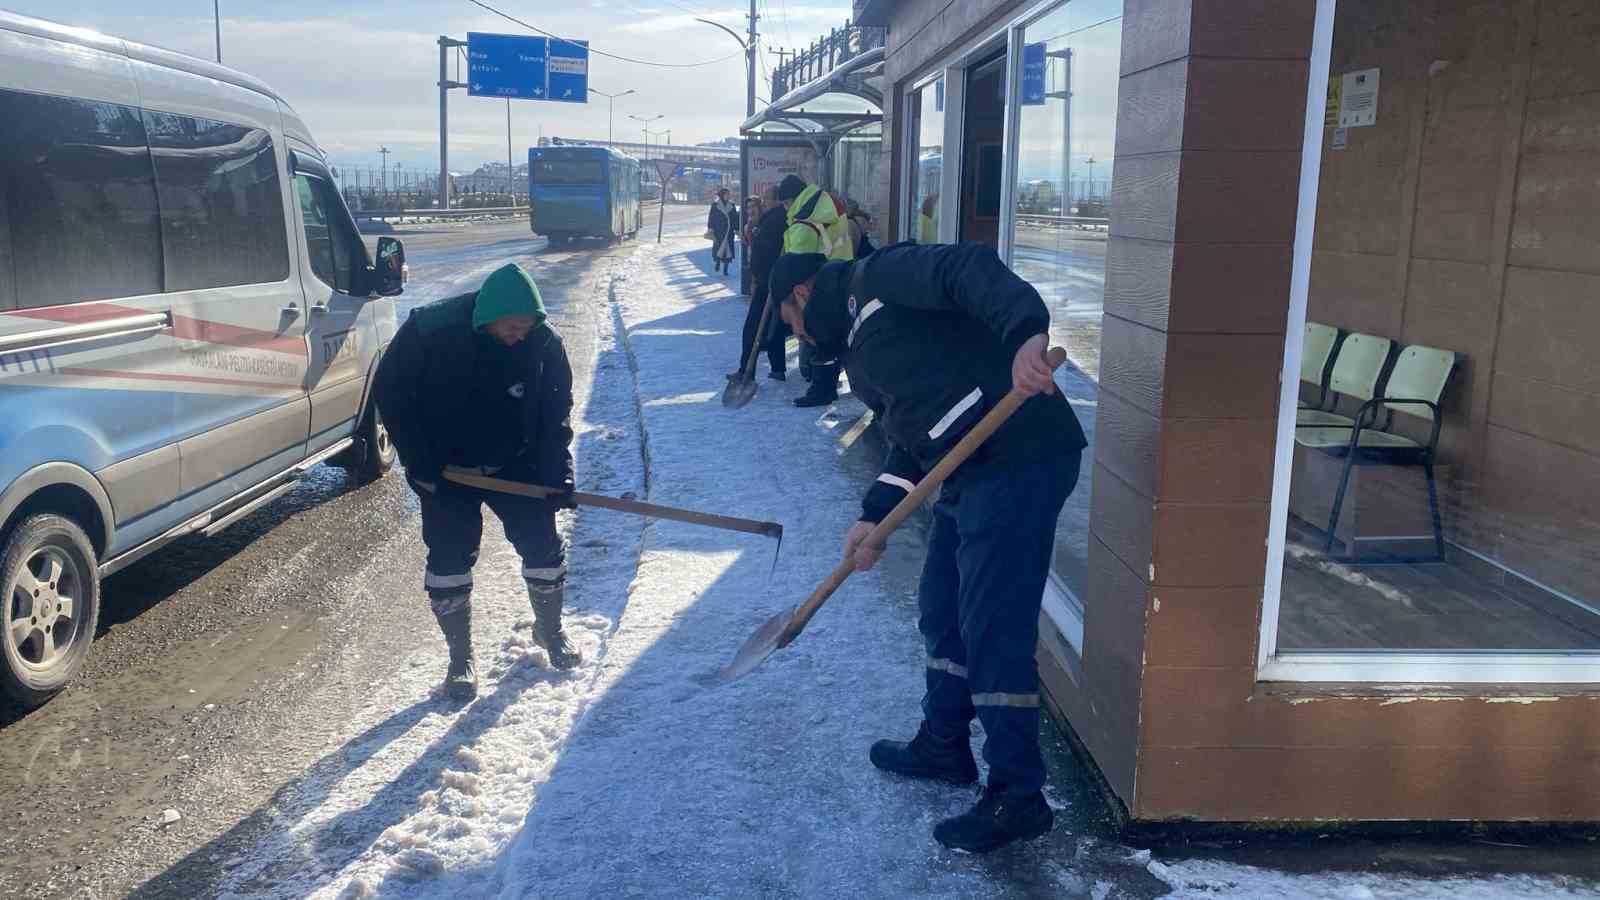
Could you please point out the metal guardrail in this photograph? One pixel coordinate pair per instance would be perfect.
(487, 211)
(1078, 223)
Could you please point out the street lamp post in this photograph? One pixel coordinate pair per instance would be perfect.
(749, 57)
(610, 106)
(647, 121)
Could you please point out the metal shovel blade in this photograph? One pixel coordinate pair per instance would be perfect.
(755, 651)
(739, 392)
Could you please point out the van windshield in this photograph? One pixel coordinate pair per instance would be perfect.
(569, 171)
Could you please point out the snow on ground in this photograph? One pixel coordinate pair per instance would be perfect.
(627, 778)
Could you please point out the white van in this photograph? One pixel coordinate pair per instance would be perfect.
(188, 321)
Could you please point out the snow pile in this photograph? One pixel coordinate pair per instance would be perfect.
(1210, 880)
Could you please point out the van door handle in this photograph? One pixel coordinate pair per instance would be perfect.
(290, 311)
(319, 309)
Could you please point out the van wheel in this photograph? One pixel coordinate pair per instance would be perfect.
(50, 583)
(373, 455)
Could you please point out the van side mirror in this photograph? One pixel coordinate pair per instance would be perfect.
(389, 277)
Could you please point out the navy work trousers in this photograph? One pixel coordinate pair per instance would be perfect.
(452, 527)
(982, 586)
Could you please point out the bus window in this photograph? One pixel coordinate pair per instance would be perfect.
(569, 171)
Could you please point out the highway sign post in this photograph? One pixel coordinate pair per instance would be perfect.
(513, 67)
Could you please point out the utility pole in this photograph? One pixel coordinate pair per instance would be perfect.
(1089, 194)
(445, 84)
(384, 177)
(216, 19)
(750, 66)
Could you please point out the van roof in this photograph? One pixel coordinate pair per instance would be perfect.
(170, 59)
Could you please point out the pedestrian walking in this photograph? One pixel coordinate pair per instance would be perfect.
(933, 337)
(482, 380)
(765, 247)
(722, 226)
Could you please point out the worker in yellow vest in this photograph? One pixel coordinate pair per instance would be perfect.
(817, 224)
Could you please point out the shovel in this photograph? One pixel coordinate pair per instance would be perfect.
(742, 390)
(620, 504)
(780, 630)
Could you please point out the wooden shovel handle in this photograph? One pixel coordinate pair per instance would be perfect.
(654, 510)
(755, 345)
(952, 460)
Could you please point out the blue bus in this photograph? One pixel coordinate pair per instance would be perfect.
(576, 192)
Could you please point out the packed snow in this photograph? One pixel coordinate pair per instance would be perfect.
(626, 777)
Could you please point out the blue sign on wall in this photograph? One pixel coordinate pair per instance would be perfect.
(527, 68)
(1033, 69)
(569, 71)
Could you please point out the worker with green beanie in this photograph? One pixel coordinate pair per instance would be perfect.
(481, 380)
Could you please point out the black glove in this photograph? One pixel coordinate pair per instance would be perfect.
(565, 499)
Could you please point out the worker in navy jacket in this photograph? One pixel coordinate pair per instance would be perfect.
(482, 381)
(932, 337)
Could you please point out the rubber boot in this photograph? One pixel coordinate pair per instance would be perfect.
(945, 757)
(998, 819)
(547, 633)
(824, 387)
(461, 679)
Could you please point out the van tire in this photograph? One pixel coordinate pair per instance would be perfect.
(373, 455)
(37, 666)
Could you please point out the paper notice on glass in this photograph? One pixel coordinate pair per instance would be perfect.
(1341, 138)
(1358, 99)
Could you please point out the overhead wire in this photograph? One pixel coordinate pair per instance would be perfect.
(597, 52)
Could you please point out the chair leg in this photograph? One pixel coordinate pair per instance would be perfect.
(1433, 510)
(1338, 504)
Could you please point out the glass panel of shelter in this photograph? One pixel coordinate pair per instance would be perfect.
(1444, 484)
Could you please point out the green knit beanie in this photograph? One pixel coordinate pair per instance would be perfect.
(508, 291)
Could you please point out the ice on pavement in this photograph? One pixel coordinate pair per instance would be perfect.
(625, 777)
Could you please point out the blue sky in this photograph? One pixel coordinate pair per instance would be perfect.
(362, 72)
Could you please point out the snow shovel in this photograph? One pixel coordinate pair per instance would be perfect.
(780, 630)
(742, 389)
(620, 504)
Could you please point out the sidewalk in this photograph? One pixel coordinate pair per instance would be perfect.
(626, 777)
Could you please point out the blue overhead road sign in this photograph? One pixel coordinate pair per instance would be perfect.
(506, 65)
(568, 69)
(527, 68)
(1033, 74)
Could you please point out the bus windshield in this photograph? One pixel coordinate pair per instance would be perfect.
(569, 171)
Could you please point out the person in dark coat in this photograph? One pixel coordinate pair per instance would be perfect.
(722, 224)
(932, 338)
(764, 252)
(481, 380)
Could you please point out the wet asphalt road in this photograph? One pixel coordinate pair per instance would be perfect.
(224, 666)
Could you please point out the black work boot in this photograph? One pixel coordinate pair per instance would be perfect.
(547, 602)
(461, 679)
(996, 820)
(926, 756)
(824, 387)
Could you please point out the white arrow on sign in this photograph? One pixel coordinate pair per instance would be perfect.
(567, 93)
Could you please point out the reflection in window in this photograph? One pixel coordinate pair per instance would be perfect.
(78, 211)
(1445, 472)
(1067, 126)
(221, 203)
(927, 123)
(331, 246)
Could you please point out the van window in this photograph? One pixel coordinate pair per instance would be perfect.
(78, 209)
(221, 203)
(333, 247)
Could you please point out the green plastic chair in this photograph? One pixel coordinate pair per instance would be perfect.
(1415, 386)
(1320, 343)
(1356, 372)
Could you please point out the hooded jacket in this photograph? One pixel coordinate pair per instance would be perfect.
(817, 225)
(928, 335)
(452, 395)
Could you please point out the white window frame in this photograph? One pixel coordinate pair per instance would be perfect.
(1399, 667)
